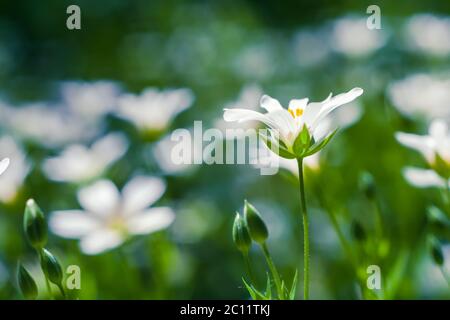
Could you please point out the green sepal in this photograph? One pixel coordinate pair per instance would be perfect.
(320, 145)
(277, 147)
(51, 267)
(34, 225)
(241, 236)
(302, 143)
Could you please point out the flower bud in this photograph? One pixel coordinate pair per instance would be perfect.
(241, 236)
(26, 283)
(436, 251)
(34, 225)
(255, 224)
(50, 265)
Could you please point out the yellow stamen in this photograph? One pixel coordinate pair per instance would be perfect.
(298, 112)
(291, 112)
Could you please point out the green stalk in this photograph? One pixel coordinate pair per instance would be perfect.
(248, 266)
(305, 230)
(273, 270)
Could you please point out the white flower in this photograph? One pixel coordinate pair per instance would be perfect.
(437, 142)
(153, 110)
(108, 217)
(286, 124)
(18, 168)
(78, 163)
(45, 124)
(424, 178)
(310, 47)
(90, 100)
(341, 118)
(163, 154)
(4, 163)
(422, 95)
(249, 97)
(352, 37)
(429, 34)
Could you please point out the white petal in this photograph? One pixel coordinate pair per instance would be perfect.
(4, 165)
(100, 240)
(270, 104)
(337, 101)
(439, 131)
(423, 178)
(151, 220)
(423, 144)
(141, 192)
(72, 223)
(101, 198)
(111, 147)
(298, 103)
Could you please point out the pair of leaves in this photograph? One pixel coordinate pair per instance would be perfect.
(267, 295)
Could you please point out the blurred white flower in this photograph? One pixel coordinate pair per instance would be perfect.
(153, 110)
(424, 178)
(109, 218)
(4, 163)
(436, 143)
(162, 152)
(78, 163)
(341, 118)
(12, 179)
(429, 34)
(249, 98)
(421, 94)
(288, 123)
(351, 37)
(47, 125)
(90, 100)
(310, 47)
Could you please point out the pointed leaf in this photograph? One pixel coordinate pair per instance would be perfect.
(294, 286)
(277, 148)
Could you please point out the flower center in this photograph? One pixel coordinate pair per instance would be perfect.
(117, 223)
(296, 113)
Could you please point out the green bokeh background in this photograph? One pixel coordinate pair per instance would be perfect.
(195, 44)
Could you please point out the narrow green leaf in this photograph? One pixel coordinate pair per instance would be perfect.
(294, 286)
(282, 151)
(320, 145)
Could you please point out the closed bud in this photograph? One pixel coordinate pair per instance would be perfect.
(436, 251)
(50, 265)
(255, 224)
(367, 185)
(241, 236)
(26, 283)
(34, 225)
(358, 231)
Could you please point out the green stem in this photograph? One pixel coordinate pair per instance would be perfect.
(248, 266)
(273, 270)
(61, 289)
(305, 230)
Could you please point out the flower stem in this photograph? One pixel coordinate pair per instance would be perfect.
(248, 266)
(273, 270)
(305, 230)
